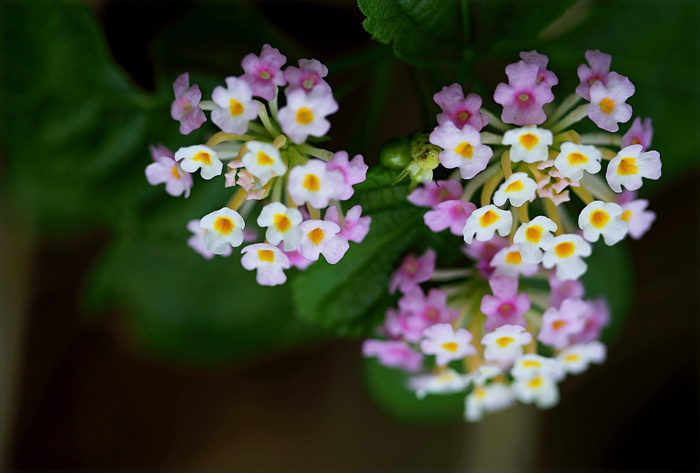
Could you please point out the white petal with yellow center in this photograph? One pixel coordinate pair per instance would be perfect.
(517, 189)
(223, 228)
(263, 161)
(528, 144)
(574, 159)
(603, 218)
(483, 223)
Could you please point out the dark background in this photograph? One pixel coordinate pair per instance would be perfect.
(88, 398)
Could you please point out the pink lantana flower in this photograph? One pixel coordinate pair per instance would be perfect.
(413, 271)
(560, 325)
(166, 170)
(446, 344)
(305, 114)
(639, 134)
(269, 261)
(432, 193)
(608, 107)
(459, 110)
(506, 306)
(307, 77)
(452, 214)
(597, 71)
(540, 60)
(353, 172)
(417, 312)
(393, 354)
(562, 290)
(353, 227)
(185, 108)
(523, 97)
(319, 237)
(638, 219)
(462, 149)
(594, 321)
(264, 73)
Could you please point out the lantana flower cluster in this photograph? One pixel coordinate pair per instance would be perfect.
(513, 322)
(280, 181)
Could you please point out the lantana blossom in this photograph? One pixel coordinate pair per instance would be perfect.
(446, 343)
(307, 77)
(305, 114)
(269, 261)
(574, 159)
(566, 255)
(223, 227)
(608, 107)
(314, 183)
(319, 237)
(264, 73)
(640, 133)
(282, 225)
(484, 222)
(523, 97)
(192, 158)
(166, 170)
(412, 271)
(630, 165)
(602, 218)
(597, 70)
(458, 109)
(528, 144)
(517, 189)
(185, 108)
(534, 237)
(236, 107)
(462, 149)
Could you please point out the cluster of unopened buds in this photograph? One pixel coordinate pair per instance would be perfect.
(271, 165)
(512, 324)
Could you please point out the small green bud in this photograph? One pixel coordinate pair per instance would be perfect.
(395, 153)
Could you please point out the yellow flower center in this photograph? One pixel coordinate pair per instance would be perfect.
(599, 218)
(557, 324)
(203, 157)
(564, 249)
(533, 234)
(311, 182)
(572, 357)
(607, 105)
(626, 216)
(535, 382)
(450, 346)
(264, 159)
(514, 257)
(316, 236)
(175, 173)
(282, 222)
(531, 364)
(529, 141)
(304, 116)
(515, 186)
(266, 255)
(627, 166)
(489, 218)
(504, 341)
(465, 150)
(224, 225)
(576, 158)
(235, 107)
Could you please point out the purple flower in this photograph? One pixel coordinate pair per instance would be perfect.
(353, 227)
(608, 107)
(432, 193)
(412, 272)
(523, 97)
(264, 73)
(417, 312)
(562, 290)
(459, 110)
(354, 171)
(307, 77)
(452, 214)
(639, 134)
(561, 325)
(595, 319)
(597, 72)
(185, 108)
(393, 354)
(540, 60)
(506, 306)
(166, 170)
(638, 219)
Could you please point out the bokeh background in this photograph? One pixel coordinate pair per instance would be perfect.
(123, 350)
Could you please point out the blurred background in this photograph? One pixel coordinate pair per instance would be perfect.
(124, 350)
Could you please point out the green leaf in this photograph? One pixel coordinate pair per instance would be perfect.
(75, 129)
(349, 297)
(187, 310)
(423, 33)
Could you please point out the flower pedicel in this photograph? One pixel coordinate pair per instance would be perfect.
(508, 336)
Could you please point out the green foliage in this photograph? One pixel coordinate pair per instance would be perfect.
(422, 33)
(349, 297)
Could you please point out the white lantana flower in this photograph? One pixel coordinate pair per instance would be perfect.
(282, 225)
(602, 218)
(574, 159)
(528, 144)
(201, 157)
(535, 236)
(263, 161)
(566, 254)
(224, 227)
(518, 189)
(484, 222)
